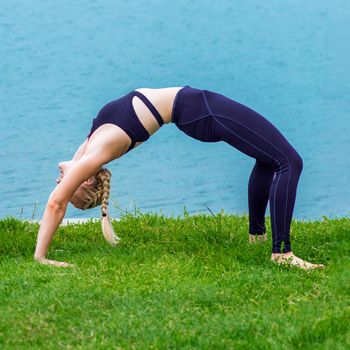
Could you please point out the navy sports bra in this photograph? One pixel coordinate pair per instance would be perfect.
(120, 112)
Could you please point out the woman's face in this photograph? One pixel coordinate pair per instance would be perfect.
(63, 168)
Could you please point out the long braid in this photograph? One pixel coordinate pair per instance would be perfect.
(98, 195)
(104, 178)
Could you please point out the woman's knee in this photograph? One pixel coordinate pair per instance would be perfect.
(294, 159)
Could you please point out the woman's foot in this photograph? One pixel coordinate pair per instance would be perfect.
(257, 238)
(261, 238)
(290, 259)
(252, 238)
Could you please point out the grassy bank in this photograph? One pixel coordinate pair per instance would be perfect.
(190, 282)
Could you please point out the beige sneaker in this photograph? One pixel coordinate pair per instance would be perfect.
(291, 259)
(257, 238)
(262, 238)
(252, 238)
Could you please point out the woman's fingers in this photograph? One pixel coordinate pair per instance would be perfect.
(61, 263)
(55, 263)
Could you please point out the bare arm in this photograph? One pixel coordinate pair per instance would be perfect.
(80, 151)
(88, 160)
(51, 219)
(58, 201)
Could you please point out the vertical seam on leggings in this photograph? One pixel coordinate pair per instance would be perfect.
(276, 160)
(206, 102)
(289, 167)
(274, 209)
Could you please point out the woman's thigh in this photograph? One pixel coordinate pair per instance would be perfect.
(247, 130)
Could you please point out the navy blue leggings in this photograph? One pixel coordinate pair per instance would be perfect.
(210, 117)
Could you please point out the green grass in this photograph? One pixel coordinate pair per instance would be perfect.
(190, 282)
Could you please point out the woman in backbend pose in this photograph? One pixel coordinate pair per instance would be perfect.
(128, 121)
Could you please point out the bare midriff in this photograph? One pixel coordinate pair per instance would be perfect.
(162, 99)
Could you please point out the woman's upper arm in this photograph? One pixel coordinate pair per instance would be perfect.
(80, 151)
(82, 170)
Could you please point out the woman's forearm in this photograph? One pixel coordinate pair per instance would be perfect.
(52, 217)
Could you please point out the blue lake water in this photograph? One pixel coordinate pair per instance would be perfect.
(61, 61)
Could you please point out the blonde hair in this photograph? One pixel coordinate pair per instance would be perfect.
(90, 196)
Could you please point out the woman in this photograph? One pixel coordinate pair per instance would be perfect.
(128, 121)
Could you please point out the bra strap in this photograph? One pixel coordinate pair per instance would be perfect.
(150, 106)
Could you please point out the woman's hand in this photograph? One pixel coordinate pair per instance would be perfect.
(45, 261)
